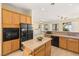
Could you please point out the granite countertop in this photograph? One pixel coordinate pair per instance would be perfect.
(65, 35)
(34, 43)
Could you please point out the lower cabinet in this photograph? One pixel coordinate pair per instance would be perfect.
(69, 44)
(40, 51)
(15, 44)
(76, 47)
(10, 46)
(73, 45)
(63, 42)
(44, 50)
(48, 48)
(6, 47)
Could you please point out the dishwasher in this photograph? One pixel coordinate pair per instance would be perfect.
(55, 41)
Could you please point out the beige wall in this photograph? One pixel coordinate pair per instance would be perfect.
(74, 22)
(0, 31)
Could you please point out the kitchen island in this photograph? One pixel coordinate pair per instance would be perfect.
(34, 47)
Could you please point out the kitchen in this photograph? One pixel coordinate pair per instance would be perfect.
(39, 31)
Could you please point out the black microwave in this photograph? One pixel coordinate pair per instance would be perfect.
(10, 34)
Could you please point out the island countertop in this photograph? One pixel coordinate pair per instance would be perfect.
(33, 44)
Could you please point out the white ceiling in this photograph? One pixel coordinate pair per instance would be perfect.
(48, 12)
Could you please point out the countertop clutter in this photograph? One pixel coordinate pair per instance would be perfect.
(33, 44)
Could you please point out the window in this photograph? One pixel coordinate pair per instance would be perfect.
(67, 26)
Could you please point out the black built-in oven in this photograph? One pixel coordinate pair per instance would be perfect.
(10, 34)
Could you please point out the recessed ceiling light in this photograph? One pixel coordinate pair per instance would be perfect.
(70, 4)
(42, 9)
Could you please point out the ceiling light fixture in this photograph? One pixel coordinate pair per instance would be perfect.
(52, 3)
(42, 9)
(70, 4)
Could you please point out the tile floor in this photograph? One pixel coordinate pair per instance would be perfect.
(54, 52)
(61, 52)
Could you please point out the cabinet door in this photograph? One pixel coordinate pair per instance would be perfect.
(73, 45)
(23, 19)
(6, 16)
(48, 48)
(6, 47)
(76, 46)
(26, 52)
(15, 18)
(40, 51)
(63, 42)
(15, 44)
(70, 44)
(29, 21)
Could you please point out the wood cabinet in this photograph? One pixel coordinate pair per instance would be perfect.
(15, 44)
(6, 16)
(10, 46)
(69, 44)
(29, 21)
(15, 18)
(73, 45)
(10, 19)
(76, 47)
(40, 51)
(48, 48)
(23, 19)
(26, 19)
(6, 47)
(63, 42)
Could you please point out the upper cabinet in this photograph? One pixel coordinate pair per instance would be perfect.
(15, 18)
(29, 21)
(23, 19)
(6, 16)
(10, 19)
